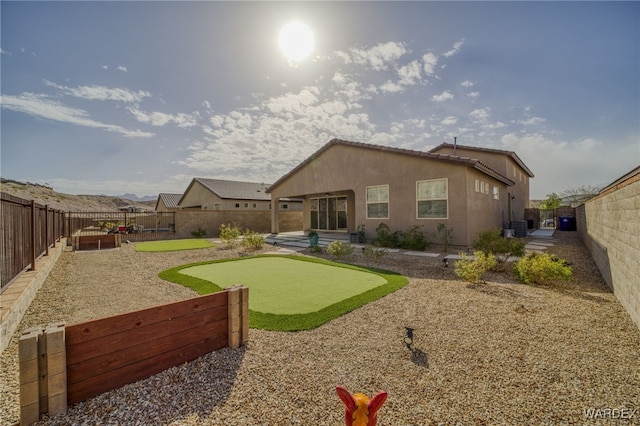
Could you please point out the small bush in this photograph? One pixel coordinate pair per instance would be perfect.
(339, 250)
(252, 240)
(373, 254)
(444, 236)
(315, 249)
(472, 270)
(200, 233)
(414, 239)
(386, 238)
(491, 242)
(542, 269)
(229, 234)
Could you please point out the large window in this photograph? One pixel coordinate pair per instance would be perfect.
(329, 213)
(378, 202)
(432, 198)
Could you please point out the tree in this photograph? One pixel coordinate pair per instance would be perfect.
(552, 202)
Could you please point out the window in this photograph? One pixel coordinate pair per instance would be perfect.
(496, 193)
(255, 205)
(432, 198)
(486, 188)
(237, 205)
(246, 205)
(378, 202)
(284, 206)
(477, 185)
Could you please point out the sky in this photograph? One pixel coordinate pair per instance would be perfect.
(141, 97)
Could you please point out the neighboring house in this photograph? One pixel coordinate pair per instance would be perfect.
(346, 185)
(167, 202)
(131, 209)
(217, 194)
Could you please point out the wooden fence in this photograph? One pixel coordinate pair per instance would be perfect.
(111, 352)
(28, 230)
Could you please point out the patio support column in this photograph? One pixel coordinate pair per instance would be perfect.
(275, 212)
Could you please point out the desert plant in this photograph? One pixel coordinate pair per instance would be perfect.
(229, 234)
(473, 269)
(444, 236)
(373, 254)
(339, 250)
(386, 238)
(414, 239)
(252, 240)
(491, 242)
(542, 269)
(200, 233)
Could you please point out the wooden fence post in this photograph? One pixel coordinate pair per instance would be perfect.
(43, 372)
(29, 377)
(238, 315)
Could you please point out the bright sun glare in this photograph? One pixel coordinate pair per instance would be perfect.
(296, 41)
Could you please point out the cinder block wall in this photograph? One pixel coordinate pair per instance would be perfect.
(610, 228)
(188, 221)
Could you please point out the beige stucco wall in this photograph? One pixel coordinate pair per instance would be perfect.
(188, 221)
(348, 170)
(610, 227)
(506, 166)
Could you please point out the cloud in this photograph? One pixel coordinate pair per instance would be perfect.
(480, 114)
(391, 87)
(101, 93)
(531, 121)
(442, 97)
(473, 94)
(410, 74)
(456, 49)
(430, 61)
(160, 118)
(377, 58)
(448, 121)
(467, 83)
(121, 68)
(41, 106)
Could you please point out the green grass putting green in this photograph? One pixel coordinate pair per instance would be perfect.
(173, 245)
(290, 293)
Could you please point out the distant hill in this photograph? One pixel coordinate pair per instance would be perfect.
(134, 197)
(45, 195)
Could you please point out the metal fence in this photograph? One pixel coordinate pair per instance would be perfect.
(28, 230)
(136, 225)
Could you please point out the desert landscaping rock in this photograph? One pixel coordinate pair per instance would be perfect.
(493, 353)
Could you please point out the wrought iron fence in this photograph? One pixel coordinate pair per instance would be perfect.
(137, 225)
(28, 230)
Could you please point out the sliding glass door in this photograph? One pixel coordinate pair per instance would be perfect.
(329, 213)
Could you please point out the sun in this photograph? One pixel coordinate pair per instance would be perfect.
(296, 41)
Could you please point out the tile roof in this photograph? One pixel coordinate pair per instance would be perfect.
(511, 154)
(170, 200)
(231, 189)
(477, 164)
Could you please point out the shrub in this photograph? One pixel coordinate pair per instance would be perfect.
(339, 250)
(472, 270)
(229, 234)
(445, 236)
(414, 239)
(385, 238)
(316, 249)
(199, 233)
(542, 269)
(491, 242)
(373, 254)
(252, 240)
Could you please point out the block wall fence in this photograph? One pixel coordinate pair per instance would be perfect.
(61, 365)
(609, 225)
(188, 221)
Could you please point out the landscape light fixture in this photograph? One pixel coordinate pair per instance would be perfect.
(408, 337)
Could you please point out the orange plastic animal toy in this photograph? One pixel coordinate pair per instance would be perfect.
(360, 410)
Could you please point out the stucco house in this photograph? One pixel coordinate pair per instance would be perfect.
(218, 194)
(167, 202)
(346, 185)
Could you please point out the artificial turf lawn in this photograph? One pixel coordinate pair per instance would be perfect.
(173, 245)
(292, 293)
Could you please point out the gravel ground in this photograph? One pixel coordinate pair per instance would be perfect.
(492, 353)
